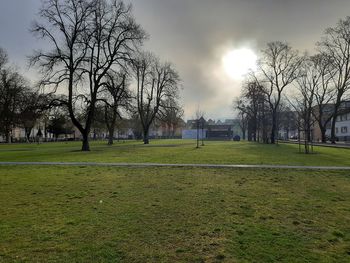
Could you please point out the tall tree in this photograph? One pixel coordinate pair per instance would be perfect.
(304, 100)
(156, 82)
(12, 90)
(335, 44)
(252, 105)
(88, 39)
(307, 84)
(278, 68)
(117, 98)
(324, 72)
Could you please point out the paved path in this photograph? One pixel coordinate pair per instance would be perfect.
(342, 145)
(177, 165)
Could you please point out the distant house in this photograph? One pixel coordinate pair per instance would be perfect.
(220, 132)
(210, 129)
(342, 126)
(211, 122)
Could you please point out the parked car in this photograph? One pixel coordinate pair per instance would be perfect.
(237, 138)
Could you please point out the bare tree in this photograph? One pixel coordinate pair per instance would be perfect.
(59, 123)
(304, 99)
(88, 38)
(288, 120)
(199, 124)
(155, 83)
(20, 105)
(253, 111)
(253, 103)
(324, 93)
(307, 84)
(3, 58)
(171, 114)
(335, 44)
(278, 68)
(12, 93)
(118, 96)
(32, 107)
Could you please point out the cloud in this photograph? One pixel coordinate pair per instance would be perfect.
(195, 34)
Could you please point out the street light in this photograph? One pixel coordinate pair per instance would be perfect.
(202, 131)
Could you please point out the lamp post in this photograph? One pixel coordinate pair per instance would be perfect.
(202, 131)
(197, 133)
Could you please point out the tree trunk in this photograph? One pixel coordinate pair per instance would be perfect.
(307, 138)
(243, 134)
(306, 147)
(146, 136)
(86, 146)
(197, 134)
(323, 135)
(110, 136)
(8, 137)
(28, 131)
(273, 131)
(333, 137)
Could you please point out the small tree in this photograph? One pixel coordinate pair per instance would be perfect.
(59, 124)
(156, 82)
(171, 114)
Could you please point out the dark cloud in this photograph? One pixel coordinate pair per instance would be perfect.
(195, 34)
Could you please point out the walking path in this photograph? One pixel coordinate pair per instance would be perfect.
(176, 165)
(343, 145)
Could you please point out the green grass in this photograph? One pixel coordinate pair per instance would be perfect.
(109, 214)
(176, 151)
(84, 214)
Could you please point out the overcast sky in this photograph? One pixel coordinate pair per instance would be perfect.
(195, 35)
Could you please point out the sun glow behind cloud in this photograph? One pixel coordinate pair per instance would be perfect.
(236, 63)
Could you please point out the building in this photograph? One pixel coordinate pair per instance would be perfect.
(211, 129)
(220, 132)
(342, 126)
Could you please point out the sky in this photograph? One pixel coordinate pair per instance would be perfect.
(195, 35)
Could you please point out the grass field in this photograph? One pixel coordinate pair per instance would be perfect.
(176, 151)
(109, 214)
(84, 214)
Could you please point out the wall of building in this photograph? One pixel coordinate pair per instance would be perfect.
(192, 134)
(342, 128)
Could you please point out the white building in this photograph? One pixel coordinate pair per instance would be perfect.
(342, 126)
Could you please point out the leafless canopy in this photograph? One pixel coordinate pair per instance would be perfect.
(335, 45)
(156, 82)
(89, 39)
(278, 68)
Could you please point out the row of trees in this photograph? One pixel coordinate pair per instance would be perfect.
(20, 105)
(313, 87)
(95, 65)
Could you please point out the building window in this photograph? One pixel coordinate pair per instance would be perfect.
(343, 117)
(344, 129)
